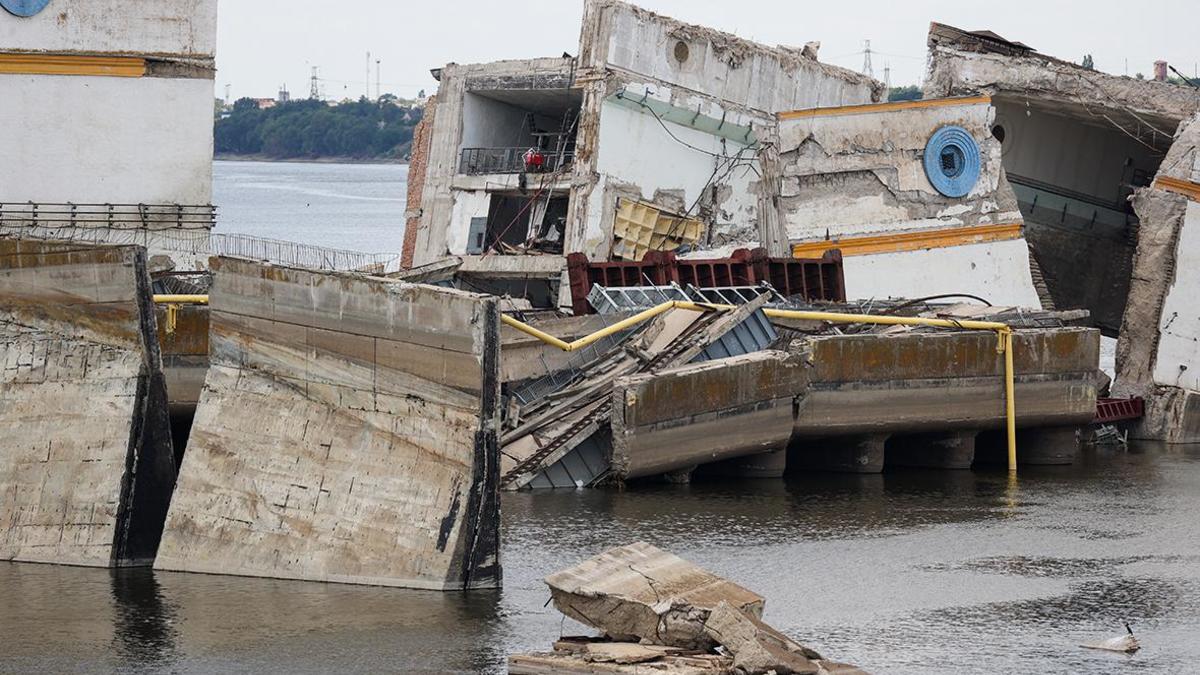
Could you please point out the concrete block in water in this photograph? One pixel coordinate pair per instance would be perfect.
(86, 466)
(678, 418)
(639, 592)
(346, 433)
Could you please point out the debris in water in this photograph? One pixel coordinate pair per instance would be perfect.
(659, 613)
(1125, 643)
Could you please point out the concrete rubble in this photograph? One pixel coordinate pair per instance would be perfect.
(658, 612)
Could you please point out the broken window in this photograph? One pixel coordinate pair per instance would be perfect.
(520, 223)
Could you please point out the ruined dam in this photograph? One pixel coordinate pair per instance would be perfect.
(360, 429)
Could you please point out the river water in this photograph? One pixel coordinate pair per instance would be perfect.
(905, 572)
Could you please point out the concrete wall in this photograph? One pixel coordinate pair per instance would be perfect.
(853, 178)
(92, 137)
(711, 99)
(86, 465)
(916, 382)
(184, 27)
(682, 417)
(676, 170)
(346, 433)
(1157, 354)
(119, 141)
(488, 123)
(718, 65)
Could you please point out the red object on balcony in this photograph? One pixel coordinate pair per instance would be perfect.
(534, 160)
(1109, 410)
(814, 279)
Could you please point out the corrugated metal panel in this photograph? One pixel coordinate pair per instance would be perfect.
(582, 466)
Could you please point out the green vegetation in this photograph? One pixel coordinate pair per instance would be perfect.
(310, 129)
(910, 93)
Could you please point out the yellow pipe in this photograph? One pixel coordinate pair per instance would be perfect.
(1002, 330)
(181, 299)
(1010, 406)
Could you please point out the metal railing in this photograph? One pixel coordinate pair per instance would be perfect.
(112, 216)
(474, 161)
(203, 243)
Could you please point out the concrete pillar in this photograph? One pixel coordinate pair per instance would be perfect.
(849, 454)
(765, 465)
(679, 476)
(1047, 446)
(949, 450)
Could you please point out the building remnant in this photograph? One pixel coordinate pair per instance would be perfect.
(139, 78)
(618, 151)
(86, 463)
(658, 611)
(1157, 356)
(1093, 159)
(347, 432)
(871, 181)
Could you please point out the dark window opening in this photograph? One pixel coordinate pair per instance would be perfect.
(998, 133)
(682, 52)
(526, 222)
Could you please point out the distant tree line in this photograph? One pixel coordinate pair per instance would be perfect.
(311, 129)
(910, 93)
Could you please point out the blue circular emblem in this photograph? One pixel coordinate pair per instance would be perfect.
(952, 161)
(24, 7)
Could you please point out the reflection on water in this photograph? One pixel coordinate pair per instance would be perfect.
(142, 623)
(907, 572)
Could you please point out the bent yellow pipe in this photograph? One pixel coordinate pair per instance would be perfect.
(1003, 332)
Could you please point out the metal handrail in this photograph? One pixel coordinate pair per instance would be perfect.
(473, 161)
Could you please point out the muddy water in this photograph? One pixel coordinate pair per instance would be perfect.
(909, 572)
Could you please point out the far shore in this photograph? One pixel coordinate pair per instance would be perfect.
(223, 157)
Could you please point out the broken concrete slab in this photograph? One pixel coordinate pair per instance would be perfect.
(347, 432)
(756, 647)
(86, 463)
(642, 593)
(682, 417)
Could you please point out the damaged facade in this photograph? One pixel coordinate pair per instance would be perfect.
(649, 139)
(1104, 169)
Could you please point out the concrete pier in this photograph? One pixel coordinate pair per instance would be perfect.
(845, 454)
(766, 465)
(346, 433)
(696, 414)
(86, 466)
(953, 450)
(1048, 446)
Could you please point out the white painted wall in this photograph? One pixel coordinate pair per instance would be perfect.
(996, 271)
(1179, 327)
(120, 26)
(488, 123)
(105, 139)
(636, 153)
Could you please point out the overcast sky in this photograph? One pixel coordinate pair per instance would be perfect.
(262, 44)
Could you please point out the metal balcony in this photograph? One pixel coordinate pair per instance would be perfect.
(475, 161)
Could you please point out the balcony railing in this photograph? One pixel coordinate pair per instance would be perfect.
(476, 161)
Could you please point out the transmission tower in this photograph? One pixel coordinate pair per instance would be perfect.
(867, 69)
(314, 91)
(887, 76)
(378, 77)
(368, 75)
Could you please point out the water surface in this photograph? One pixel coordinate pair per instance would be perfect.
(350, 206)
(906, 572)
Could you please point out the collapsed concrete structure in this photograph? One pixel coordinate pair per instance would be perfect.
(647, 140)
(659, 613)
(1103, 168)
(86, 462)
(347, 431)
